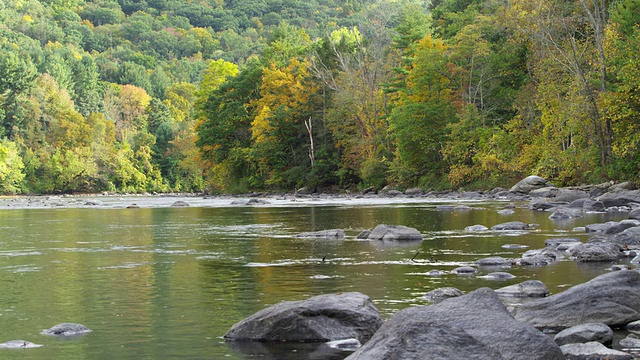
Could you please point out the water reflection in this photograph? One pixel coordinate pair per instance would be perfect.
(169, 282)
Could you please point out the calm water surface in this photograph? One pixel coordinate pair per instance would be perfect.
(163, 282)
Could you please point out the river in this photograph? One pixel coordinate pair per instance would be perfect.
(157, 281)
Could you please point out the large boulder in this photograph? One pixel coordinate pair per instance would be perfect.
(529, 183)
(612, 299)
(385, 232)
(630, 236)
(473, 326)
(620, 198)
(570, 195)
(596, 251)
(318, 319)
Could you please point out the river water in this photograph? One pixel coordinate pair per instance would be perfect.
(167, 282)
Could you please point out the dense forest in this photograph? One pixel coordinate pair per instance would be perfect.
(236, 96)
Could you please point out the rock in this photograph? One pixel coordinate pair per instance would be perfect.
(565, 213)
(364, 234)
(66, 329)
(630, 342)
(612, 298)
(587, 205)
(318, 319)
(539, 257)
(630, 236)
(472, 326)
(250, 202)
(506, 212)
(414, 192)
(555, 242)
(464, 270)
(346, 344)
(305, 190)
(599, 227)
(541, 205)
(180, 203)
(19, 344)
(499, 275)
(634, 214)
(592, 350)
(435, 273)
(620, 198)
(626, 185)
(596, 251)
(514, 246)
(384, 232)
(633, 326)
(476, 228)
(133, 206)
(440, 294)
(512, 225)
(569, 195)
(544, 192)
(584, 333)
(621, 226)
(393, 193)
(453, 208)
(336, 234)
(494, 261)
(529, 288)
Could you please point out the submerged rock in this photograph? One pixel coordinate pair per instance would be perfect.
(476, 228)
(250, 202)
(499, 275)
(180, 203)
(318, 319)
(19, 344)
(66, 329)
(385, 232)
(337, 234)
(630, 342)
(612, 299)
(473, 326)
(511, 225)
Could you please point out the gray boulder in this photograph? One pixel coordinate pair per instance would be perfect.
(440, 294)
(544, 192)
(540, 257)
(364, 234)
(525, 289)
(499, 275)
(635, 214)
(66, 329)
(564, 213)
(587, 205)
(569, 195)
(592, 351)
(585, 333)
(596, 251)
(629, 236)
(497, 261)
(414, 192)
(541, 205)
(464, 270)
(633, 326)
(385, 232)
(473, 326)
(336, 234)
(511, 225)
(630, 342)
(620, 198)
(612, 298)
(555, 242)
(250, 202)
(318, 319)
(529, 183)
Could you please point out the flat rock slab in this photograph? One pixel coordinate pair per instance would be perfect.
(473, 326)
(511, 225)
(318, 319)
(612, 299)
(525, 289)
(66, 329)
(592, 351)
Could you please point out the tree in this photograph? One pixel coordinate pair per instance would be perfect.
(17, 75)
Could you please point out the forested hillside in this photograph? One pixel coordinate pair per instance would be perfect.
(233, 96)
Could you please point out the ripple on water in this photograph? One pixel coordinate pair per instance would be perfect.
(124, 266)
(12, 253)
